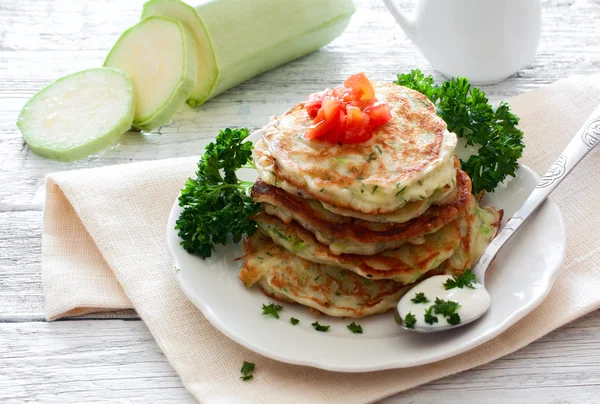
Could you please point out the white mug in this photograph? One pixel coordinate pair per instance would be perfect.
(485, 41)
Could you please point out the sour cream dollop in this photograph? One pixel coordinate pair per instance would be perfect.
(473, 301)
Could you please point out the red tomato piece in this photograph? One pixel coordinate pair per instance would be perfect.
(379, 113)
(362, 104)
(362, 87)
(336, 133)
(327, 118)
(313, 104)
(357, 126)
(312, 107)
(344, 94)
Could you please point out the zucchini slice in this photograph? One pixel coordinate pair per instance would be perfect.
(79, 114)
(159, 55)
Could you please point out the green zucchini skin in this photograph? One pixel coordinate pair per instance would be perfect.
(257, 36)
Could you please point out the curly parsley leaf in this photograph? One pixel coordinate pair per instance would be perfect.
(430, 318)
(420, 298)
(453, 319)
(410, 320)
(216, 203)
(466, 279)
(355, 328)
(271, 310)
(294, 321)
(445, 307)
(319, 327)
(468, 113)
(247, 368)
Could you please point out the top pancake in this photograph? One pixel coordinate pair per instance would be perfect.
(406, 160)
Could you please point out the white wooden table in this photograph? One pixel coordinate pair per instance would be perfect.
(112, 357)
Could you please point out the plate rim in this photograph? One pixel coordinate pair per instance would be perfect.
(349, 368)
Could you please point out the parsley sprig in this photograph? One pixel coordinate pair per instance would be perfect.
(420, 298)
(247, 369)
(216, 203)
(354, 328)
(410, 320)
(447, 308)
(271, 309)
(429, 317)
(468, 113)
(319, 327)
(466, 279)
(294, 321)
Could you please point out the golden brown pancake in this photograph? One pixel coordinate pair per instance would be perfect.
(330, 290)
(355, 236)
(406, 160)
(405, 264)
(478, 227)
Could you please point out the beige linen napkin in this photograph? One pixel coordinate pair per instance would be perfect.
(104, 248)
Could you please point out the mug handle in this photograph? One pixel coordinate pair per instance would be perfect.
(406, 22)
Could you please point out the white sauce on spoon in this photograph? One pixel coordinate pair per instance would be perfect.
(473, 301)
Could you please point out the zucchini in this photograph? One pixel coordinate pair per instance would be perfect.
(79, 114)
(159, 55)
(238, 39)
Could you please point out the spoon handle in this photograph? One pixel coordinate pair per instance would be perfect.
(584, 141)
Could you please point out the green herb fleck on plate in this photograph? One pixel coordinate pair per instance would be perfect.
(355, 328)
(271, 310)
(319, 327)
(247, 369)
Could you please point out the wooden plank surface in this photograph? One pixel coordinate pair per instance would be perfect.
(118, 361)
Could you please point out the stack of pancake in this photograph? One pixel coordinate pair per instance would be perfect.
(347, 228)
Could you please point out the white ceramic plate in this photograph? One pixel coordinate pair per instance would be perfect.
(519, 279)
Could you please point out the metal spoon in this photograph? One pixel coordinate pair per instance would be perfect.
(584, 141)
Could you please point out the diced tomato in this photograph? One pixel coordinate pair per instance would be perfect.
(327, 118)
(346, 114)
(313, 104)
(357, 126)
(312, 107)
(337, 132)
(362, 87)
(343, 93)
(362, 104)
(380, 113)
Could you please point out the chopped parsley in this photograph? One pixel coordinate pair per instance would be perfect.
(247, 369)
(294, 321)
(281, 235)
(371, 157)
(445, 307)
(410, 320)
(453, 319)
(271, 310)
(374, 189)
(460, 281)
(319, 327)
(378, 149)
(355, 328)
(420, 298)
(430, 318)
